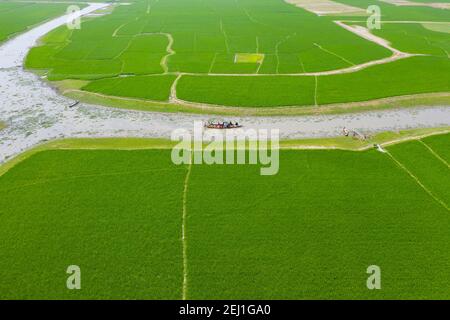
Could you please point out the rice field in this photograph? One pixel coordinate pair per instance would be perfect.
(16, 17)
(208, 34)
(309, 232)
(242, 46)
(414, 75)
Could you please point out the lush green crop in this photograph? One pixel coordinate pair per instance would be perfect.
(206, 42)
(116, 214)
(415, 38)
(412, 75)
(309, 232)
(155, 87)
(439, 144)
(247, 91)
(17, 17)
(422, 163)
(312, 230)
(208, 36)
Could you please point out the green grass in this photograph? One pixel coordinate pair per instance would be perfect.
(309, 232)
(17, 17)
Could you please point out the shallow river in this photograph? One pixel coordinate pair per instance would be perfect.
(35, 113)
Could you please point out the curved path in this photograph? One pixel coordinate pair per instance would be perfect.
(35, 113)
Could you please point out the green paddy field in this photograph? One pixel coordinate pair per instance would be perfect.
(309, 232)
(189, 52)
(16, 17)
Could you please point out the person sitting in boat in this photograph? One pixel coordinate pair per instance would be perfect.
(345, 131)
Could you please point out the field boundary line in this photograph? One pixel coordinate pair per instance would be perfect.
(250, 18)
(277, 50)
(173, 90)
(411, 138)
(301, 63)
(315, 90)
(334, 54)
(222, 30)
(170, 52)
(212, 63)
(434, 153)
(418, 181)
(118, 29)
(350, 69)
(183, 230)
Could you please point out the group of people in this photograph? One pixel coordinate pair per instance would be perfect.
(354, 134)
(223, 125)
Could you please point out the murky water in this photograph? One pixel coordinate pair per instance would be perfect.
(35, 113)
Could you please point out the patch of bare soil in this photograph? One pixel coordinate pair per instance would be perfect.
(438, 5)
(323, 7)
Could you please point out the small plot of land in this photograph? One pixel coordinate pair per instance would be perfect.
(16, 17)
(249, 58)
(309, 232)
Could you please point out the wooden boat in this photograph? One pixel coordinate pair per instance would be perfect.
(222, 125)
(74, 104)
